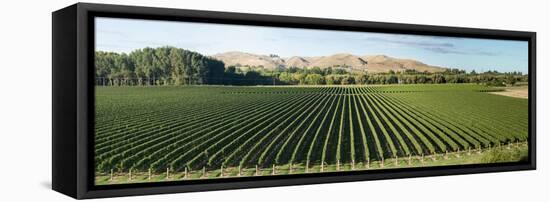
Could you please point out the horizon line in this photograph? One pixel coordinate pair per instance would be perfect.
(287, 57)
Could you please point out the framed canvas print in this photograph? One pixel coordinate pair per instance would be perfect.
(154, 100)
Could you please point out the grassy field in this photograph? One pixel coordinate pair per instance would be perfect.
(196, 132)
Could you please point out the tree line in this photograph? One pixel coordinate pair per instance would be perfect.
(492, 78)
(159, 66)
(176, 66)
(168, 66)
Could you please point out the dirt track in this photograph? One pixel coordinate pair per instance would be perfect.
(518, 92)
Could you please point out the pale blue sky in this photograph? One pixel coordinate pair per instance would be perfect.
(126, 35)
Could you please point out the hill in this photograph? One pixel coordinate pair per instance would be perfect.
(350, 62)
(241, 58)
(383, 63)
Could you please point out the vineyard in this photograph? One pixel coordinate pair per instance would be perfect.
(199, 132)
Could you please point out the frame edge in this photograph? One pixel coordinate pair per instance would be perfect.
(64, 101)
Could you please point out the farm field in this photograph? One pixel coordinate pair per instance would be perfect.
(516, 91)
(145, 134)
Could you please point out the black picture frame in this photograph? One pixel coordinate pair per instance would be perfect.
(73, 99)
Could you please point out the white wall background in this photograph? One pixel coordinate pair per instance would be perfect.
(25, 99)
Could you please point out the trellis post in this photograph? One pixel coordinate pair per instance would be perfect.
(290, 168)
(185, 172)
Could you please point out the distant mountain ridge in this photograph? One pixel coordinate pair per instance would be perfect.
(370, 63)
